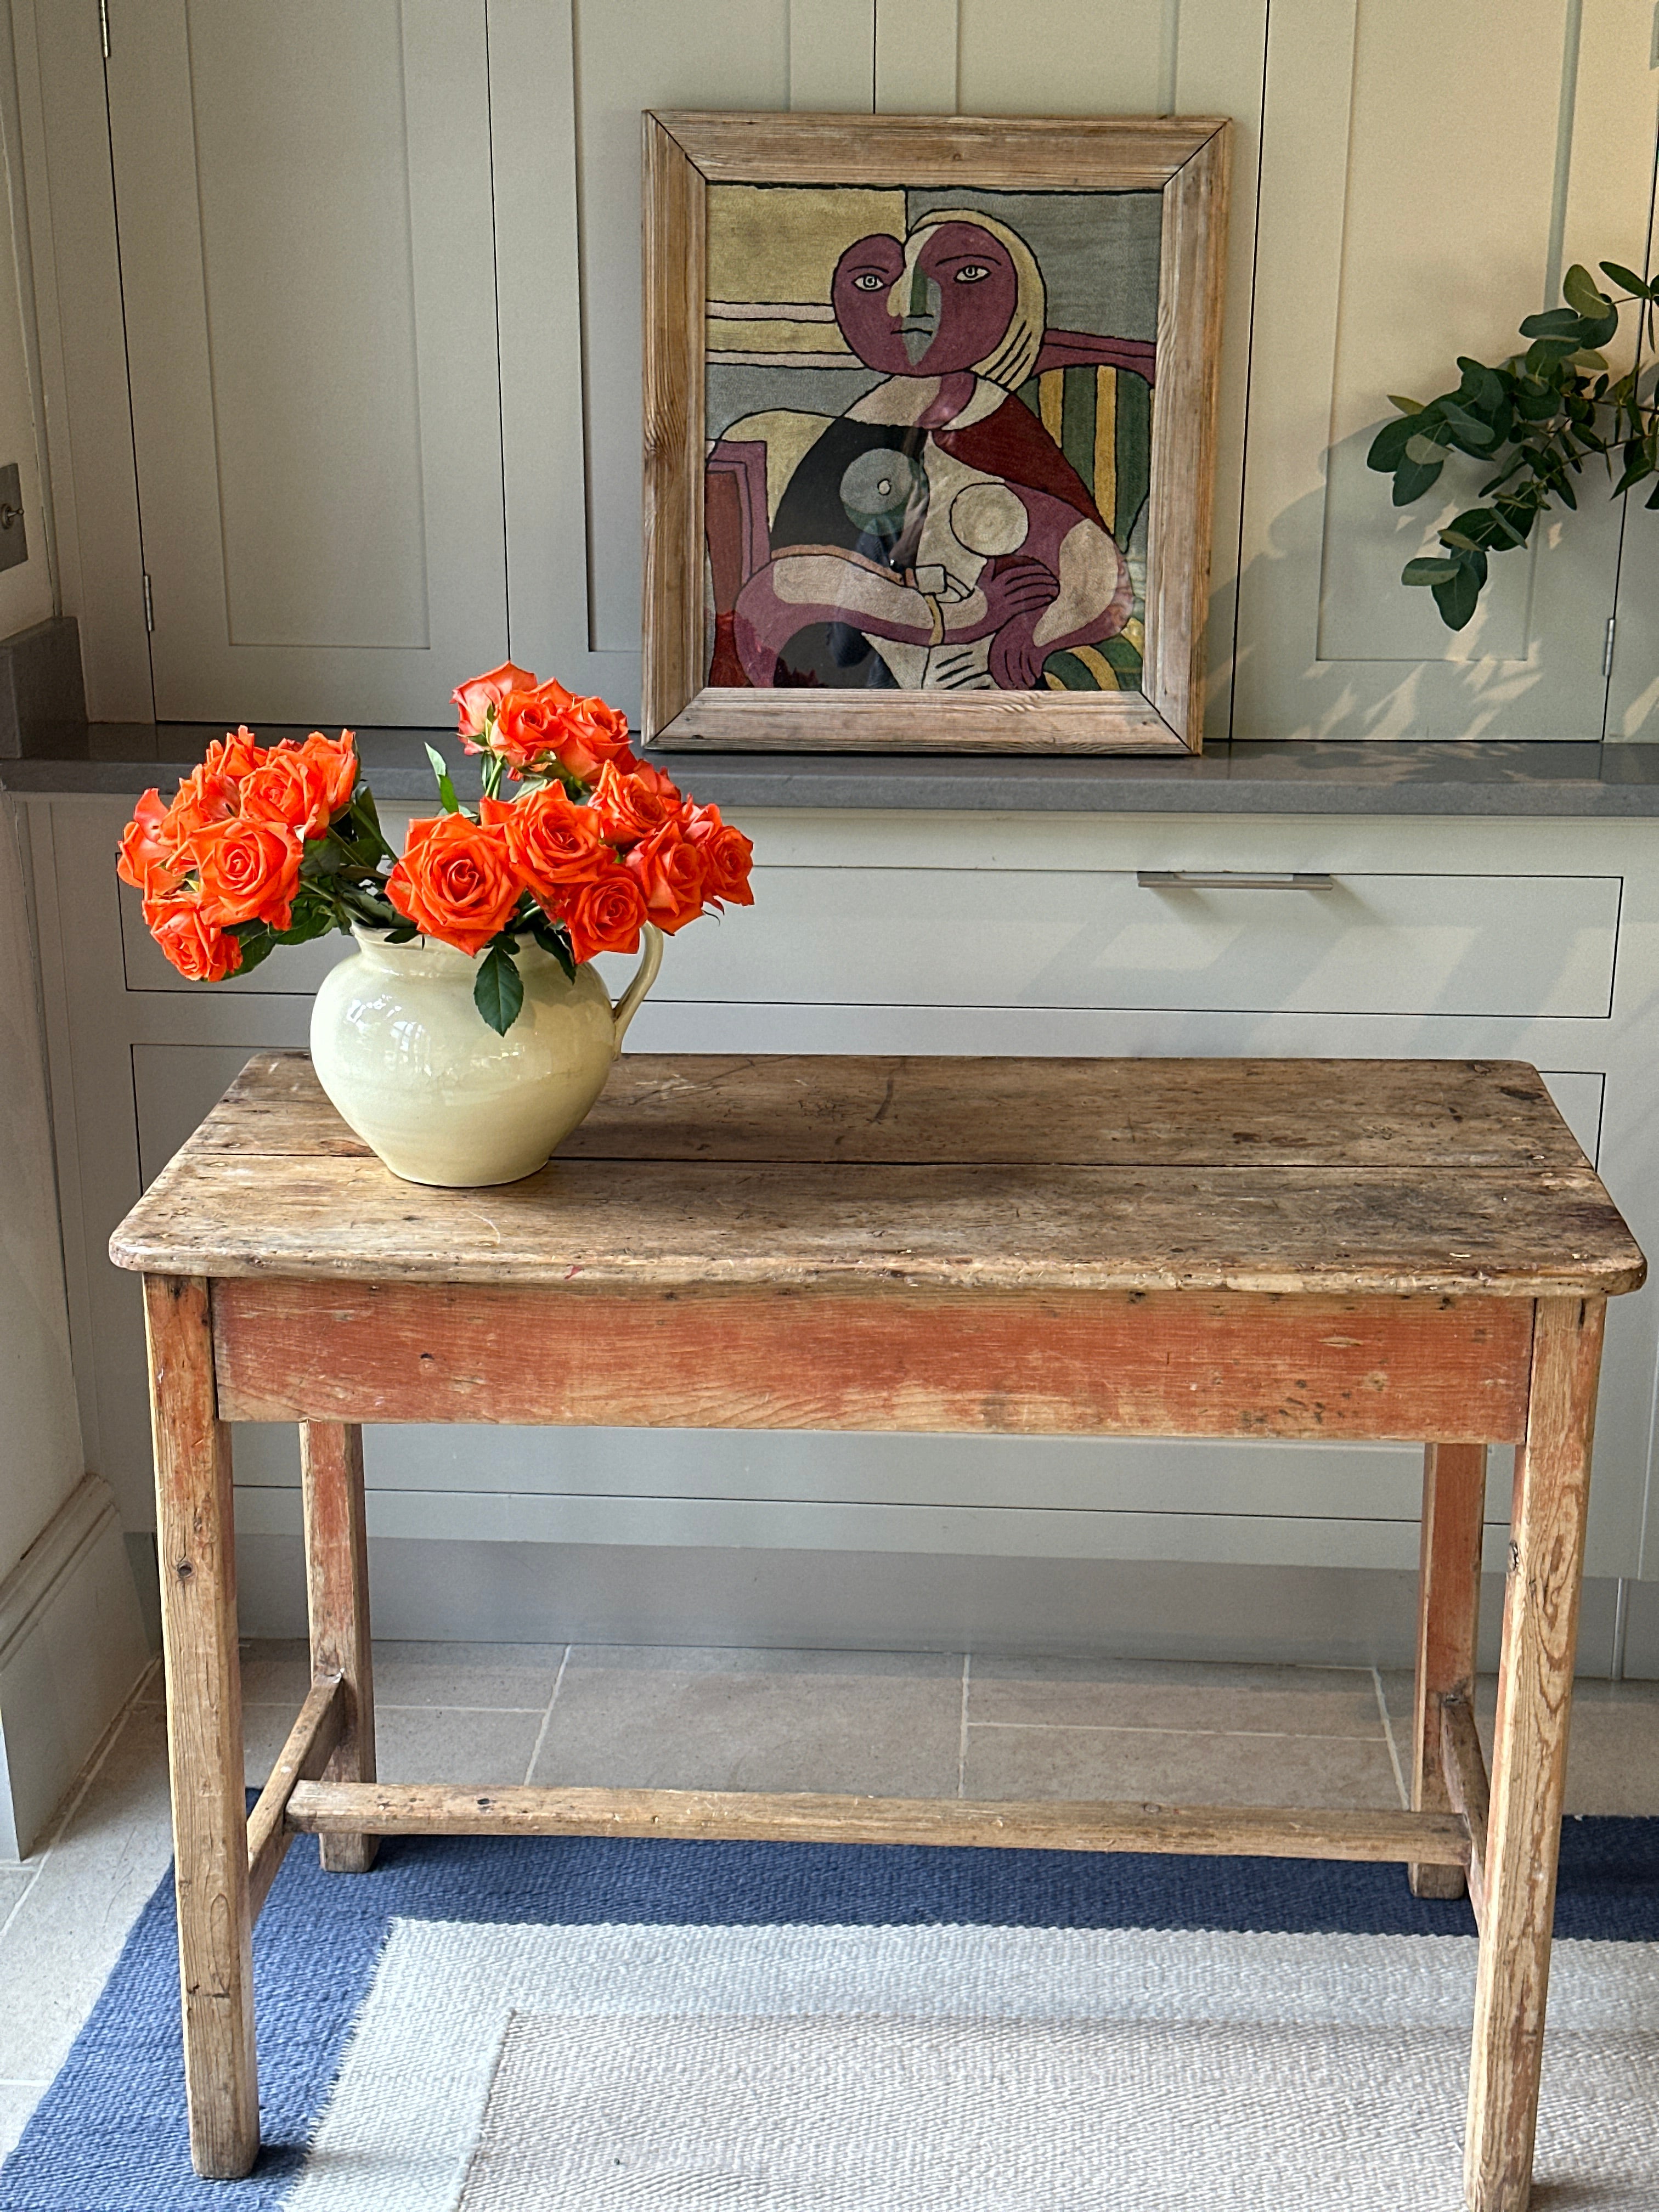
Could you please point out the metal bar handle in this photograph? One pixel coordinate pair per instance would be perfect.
(1234, 879)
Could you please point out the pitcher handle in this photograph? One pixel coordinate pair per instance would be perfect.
(643, 977)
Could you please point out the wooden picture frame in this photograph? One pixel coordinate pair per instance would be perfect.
(1017, 703)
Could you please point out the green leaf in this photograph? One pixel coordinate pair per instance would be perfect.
(553, 941)
(1458, 598)
(446, 789)
(1467, 429)
(1405, 406)
(1426, 569)
(1553, 323)
(1425, 452)
(1582, 292)
(1628, 278)
(1413, 478)
(258, 940)
(1482, 384)
(498, 989)
(1388, 445)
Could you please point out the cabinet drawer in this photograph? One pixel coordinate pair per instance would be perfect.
(1360, 943)
(1354, 943)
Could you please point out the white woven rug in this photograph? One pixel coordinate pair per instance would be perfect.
(789, 2069)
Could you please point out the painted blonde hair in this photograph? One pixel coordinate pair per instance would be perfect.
(1015, 354)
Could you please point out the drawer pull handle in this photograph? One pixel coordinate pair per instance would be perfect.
(1233, 879)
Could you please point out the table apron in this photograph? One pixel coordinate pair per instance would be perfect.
(1072, 1363)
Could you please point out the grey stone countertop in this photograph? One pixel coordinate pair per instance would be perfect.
(1313, 776)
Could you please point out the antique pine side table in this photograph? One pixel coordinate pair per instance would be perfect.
(1358, 1249)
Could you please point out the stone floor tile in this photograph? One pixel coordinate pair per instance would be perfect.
(1166, 1766)
(17, 2100)
(508, 1676)
(464, 1747)
(14, 1887)
(95, 1877)
(800, 1721)
(1157, 1694)
(696, 1659)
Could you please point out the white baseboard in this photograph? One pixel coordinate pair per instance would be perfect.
(71, 1647)
(503, 1593)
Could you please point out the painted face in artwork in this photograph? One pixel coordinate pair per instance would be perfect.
(937, 304)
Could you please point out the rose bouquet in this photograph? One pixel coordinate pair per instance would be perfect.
(263, 845)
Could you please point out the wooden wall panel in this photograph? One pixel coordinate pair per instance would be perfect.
(1368, 277)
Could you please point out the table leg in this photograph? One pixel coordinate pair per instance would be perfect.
(1448, 1620)
(1529, 1752)
(196, 1541)
(336, 1593)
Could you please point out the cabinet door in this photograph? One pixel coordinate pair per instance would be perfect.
(303, 194)
(1429, 169)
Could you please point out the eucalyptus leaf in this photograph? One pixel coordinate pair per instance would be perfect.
(1426, 569)
(498, 989)
(1555, 322)
(1412, 479)
(1582, 292)
(1405, 406)
(1425, 452)
(1457, 599)
(447, 796)
(1628, 278)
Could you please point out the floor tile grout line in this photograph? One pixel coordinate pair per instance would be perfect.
(90, 1772)
(962, 1741)
(547, 1717)
(1152, 1728)
(1388, 1732)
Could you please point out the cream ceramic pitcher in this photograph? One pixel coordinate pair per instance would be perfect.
(412, 1066)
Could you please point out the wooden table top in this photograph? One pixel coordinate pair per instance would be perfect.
(1379, 1176)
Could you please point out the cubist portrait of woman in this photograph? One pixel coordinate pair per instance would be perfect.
(916, 480)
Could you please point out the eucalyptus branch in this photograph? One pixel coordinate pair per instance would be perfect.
(1539, 415)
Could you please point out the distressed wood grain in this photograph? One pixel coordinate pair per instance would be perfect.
(195, 1547)
(310, 1745)
(337, 1604)
(1183, 496)
(1466, 1788)
(896, 1109)
(1448, 1621)
(667, 1224)
(1078, 1365)
(732, 721)
(438, 1809)
(1529, 1753)
(1010, 152)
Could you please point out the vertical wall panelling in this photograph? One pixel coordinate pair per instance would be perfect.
(1364, 287)
(1633, 691)
(832, 55)
(1217, 51)
(65, 131)
(916, 58)
(533, 157)
(656, 54)
(304, 197)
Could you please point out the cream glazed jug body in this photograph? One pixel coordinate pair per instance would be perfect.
(412, 1066)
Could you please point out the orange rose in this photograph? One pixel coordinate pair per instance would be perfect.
(200, 953)
(726, 853)
(335, 760)
(143, 850)
(606, 915)
(250, 871)
(473, 700)
(234, 756)
(554, 843)
(629, 806)
(529, 725)
(456, 881)
(593, 734)
(673, 798)
(670, 874)
(287, 788)
(205, 796)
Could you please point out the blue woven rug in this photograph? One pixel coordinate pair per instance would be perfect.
(494, 2023)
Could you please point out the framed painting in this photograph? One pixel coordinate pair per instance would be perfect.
(929, 431)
